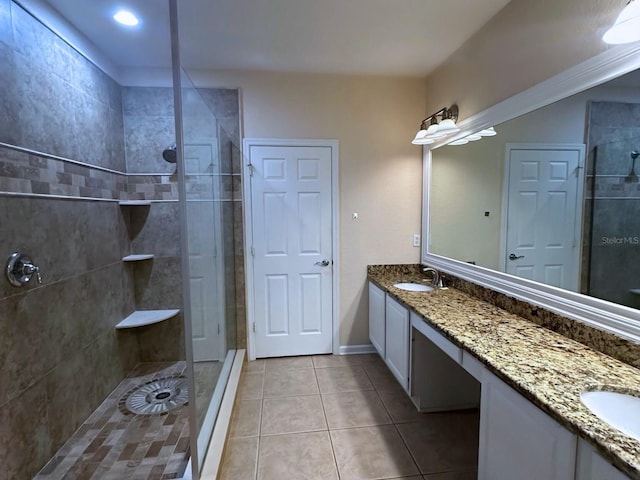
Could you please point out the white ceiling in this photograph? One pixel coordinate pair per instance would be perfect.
(379, 37)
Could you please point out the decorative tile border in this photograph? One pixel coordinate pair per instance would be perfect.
(26, 172)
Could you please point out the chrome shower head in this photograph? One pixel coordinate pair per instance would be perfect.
(169, 154)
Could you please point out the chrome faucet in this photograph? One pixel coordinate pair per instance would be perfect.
(436, 278)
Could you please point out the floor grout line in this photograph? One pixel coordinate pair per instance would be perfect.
(324, 411)
(280, 372)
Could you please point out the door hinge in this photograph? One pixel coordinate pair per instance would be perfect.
(218, 329)
(254, 327)
(253, 251)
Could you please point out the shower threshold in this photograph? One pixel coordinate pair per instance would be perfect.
(115, 443)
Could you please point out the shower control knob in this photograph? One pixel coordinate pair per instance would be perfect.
(20, 269)
(29, 269)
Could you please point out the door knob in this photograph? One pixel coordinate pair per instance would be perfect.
(513, 256)
(323, 263)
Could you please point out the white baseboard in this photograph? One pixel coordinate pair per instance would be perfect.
(356, 349)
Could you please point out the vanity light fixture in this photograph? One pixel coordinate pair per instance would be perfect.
(473, 137)
(431, 129)
(488, 132)
(626, 28)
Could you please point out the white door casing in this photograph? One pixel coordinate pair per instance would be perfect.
(290, 214)
(206, 271)
(542, 213)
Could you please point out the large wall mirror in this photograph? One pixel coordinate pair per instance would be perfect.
(548, 210)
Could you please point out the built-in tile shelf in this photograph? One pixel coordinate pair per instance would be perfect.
(138, 257)
(134, 203)
(140, 318)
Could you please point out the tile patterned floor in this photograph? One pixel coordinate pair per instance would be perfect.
(112, 445)
(341, 417)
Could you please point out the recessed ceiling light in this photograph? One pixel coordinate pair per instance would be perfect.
(125, 17)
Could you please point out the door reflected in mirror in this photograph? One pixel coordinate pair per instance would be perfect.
(554, 197)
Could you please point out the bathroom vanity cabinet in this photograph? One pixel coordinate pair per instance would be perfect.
(389, 333)
(591, 465)
(397, 341)
(439, 383)
(424, 362)
(377, 299)
(517, 439)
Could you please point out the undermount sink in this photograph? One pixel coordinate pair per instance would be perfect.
(619, 410)
(413, 287)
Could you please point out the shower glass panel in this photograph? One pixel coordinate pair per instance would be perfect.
(615, 232)
(210, 281)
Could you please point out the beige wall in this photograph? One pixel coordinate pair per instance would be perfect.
(374, 119)
(525, 43)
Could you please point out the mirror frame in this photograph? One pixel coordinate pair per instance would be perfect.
(618, 319)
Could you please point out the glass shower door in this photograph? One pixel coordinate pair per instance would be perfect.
(208, 281)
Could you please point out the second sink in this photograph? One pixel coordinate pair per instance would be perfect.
(413, 287)
(620, 410)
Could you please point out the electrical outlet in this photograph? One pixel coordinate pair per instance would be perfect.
(416, 240)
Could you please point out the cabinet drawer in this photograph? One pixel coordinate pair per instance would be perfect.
(472, 365)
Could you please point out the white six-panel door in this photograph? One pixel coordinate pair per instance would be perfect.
(543, 213)
(206, 269)
(291, 224)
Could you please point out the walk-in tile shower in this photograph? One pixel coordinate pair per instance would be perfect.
(97, 378)
(612, 251)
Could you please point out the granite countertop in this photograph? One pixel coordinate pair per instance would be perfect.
(547, 368)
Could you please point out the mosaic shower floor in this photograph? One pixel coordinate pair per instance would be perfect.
(114, 445)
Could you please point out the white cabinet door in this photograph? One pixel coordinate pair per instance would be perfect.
(397, 341)
(591, 466)
(376, 318)
(518, 440)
